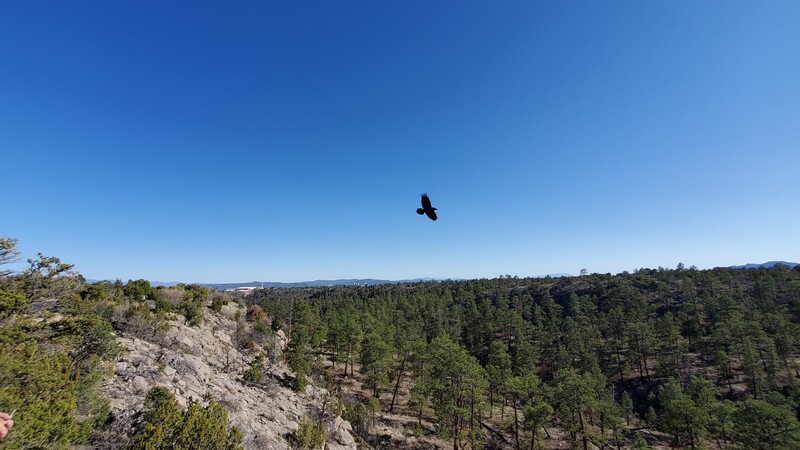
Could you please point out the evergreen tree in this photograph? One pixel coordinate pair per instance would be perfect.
(299, 356)
(683, 418)
(498, 369)
(759, 425)
(536, 414)
(721, 424)
(456, 388)
(408, 344)
(641, 344)
(522, 390)
(376, 362)
(574, 396)
(626, 404)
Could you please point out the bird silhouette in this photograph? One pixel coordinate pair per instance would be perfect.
(427, 209)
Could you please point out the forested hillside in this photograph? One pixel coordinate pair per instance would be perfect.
(126, 365)
(658, 357)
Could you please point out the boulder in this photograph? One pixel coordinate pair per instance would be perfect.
(139, 384)
(340, 435)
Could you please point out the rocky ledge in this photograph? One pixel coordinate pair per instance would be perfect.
(201, 363)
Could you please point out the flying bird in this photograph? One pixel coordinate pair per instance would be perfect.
(427, 209)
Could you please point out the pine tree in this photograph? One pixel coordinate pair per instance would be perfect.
(536, 414)
(456, 385)
(299, 356)
(626, 404)
(683, 418)
(498, 369)
(574, 396)
(759, 425)
(376, 362)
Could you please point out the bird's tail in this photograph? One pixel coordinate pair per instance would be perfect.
(420, 211)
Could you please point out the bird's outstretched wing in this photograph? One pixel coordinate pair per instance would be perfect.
(426, 203)
(431, 214)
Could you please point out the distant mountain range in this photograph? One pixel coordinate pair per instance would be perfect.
(767, 265)
(340, 282)
(315, 283)
(374, 282)
(318, 283)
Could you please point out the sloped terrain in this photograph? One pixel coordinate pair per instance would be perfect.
(204, 362)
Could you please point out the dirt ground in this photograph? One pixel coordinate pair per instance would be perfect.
(400, 429)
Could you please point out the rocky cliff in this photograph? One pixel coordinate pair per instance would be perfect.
(206, 362)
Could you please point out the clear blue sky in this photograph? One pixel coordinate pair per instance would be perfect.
(288, 141)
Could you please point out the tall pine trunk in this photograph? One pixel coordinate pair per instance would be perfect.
(397, 384)
(455, 431)
(583, 431)
(516, 422)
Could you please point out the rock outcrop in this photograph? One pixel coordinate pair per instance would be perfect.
(205, 362)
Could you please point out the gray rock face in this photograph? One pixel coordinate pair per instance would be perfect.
(340, 435)
(200, 363)
(139, 384)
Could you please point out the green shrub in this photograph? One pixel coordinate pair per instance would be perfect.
(217, 303)
(195, 292)
(299, 383)
(42, 387)
(192, 311)
(356, 413)
(138, 290)
(140, 322)
(262, 329)
(12, 302)
(92, 404)
(97, 291)
(162, 425)
(164, 306)
(158, 420)
(256, 371)
(640, 443)
(191, 303)
(89, 305)
(90, 337)
(309, 435)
